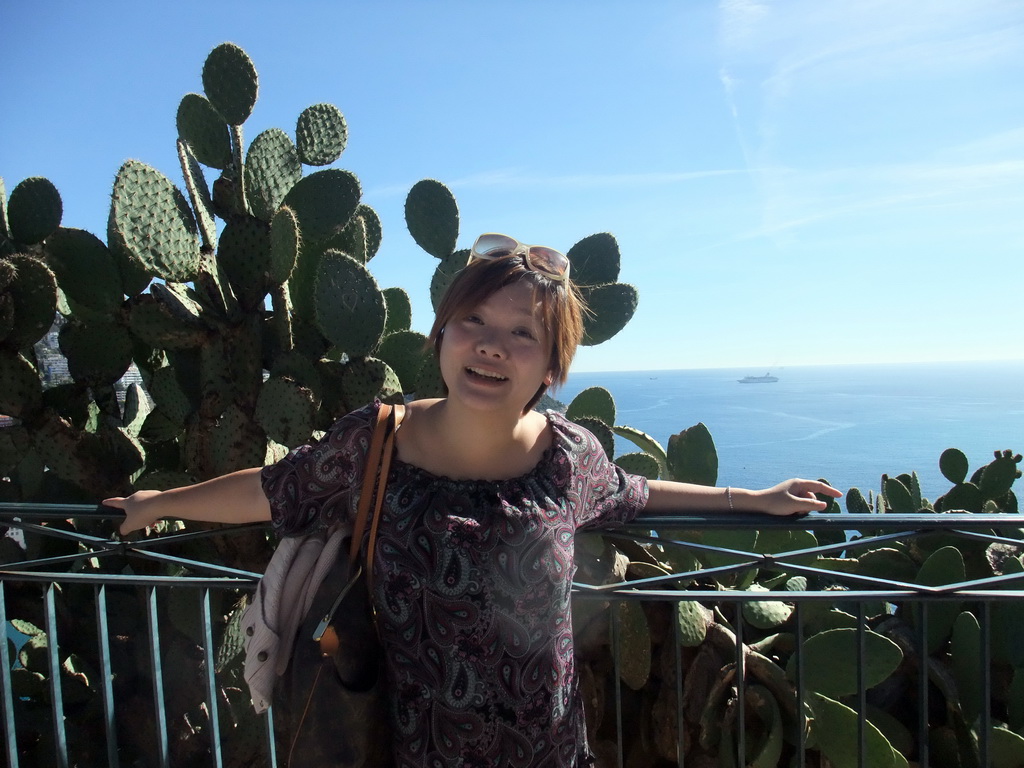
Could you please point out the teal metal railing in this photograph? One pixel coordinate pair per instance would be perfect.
(70, 708)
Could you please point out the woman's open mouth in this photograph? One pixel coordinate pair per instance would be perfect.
(480, 373)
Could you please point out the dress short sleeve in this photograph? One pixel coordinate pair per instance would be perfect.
(598, 492)
(317, 485)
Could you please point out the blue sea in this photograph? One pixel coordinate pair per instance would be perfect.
(847, 424)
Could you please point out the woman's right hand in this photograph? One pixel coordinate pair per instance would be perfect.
(140, 510)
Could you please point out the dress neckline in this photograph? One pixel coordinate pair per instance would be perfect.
(543, 465)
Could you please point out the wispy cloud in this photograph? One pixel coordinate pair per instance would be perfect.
(518, 179)
(798, 200)
(812, 86)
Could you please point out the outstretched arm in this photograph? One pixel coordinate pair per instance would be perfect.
(787, 498)
(234, 498)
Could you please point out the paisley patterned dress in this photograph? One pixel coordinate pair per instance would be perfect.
(471, 586)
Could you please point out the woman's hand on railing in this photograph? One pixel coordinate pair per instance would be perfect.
(793, 497)
(231, 499)
(141, 510)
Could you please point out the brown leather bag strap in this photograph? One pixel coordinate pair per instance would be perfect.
(382, 480)
(373, 457)
(375, 478)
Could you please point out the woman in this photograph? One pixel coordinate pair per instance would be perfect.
(474, 559)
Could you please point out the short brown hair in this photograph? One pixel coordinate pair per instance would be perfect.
(561, 314)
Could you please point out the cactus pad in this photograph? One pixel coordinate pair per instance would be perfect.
(285, 243)
(429, 381)
(230, 82)
(153, 322)
(399, 310)
(271, 169)
(321, 134)
(638, 463)
(373, 229)
(432, 216)
(830, 661)
(766, 614)
(405, 352)
(324, 202)
(244, 254)
(350, 240)
(998, 476)
(635, 644)
(647, 444)
(85, 269)
(953, 465)
(897, 497)
(34, 210)
(135, 278)
(943, 566)
(595, 260)
(237, 442)
(445, 273)
(199, 193)
(835, 730)
(32, 293)
(137, 407)
(366, 378)
(300, 369)
(20, 389)
(349, 306)
(611, 307)
(693, 619)
(98, 352)
(203, 128)
(154, 224)
(596, 402)
(692, 457)
(171, 399)
(286, 411)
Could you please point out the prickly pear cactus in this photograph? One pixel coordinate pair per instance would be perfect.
(432, 217)
(700, 639)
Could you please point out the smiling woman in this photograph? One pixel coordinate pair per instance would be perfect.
(474, 552)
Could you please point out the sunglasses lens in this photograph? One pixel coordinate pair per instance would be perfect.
(494, 246)
(549, 261)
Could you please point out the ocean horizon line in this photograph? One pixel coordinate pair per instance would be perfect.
(778, 367)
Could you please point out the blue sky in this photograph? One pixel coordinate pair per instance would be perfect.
(790, 182)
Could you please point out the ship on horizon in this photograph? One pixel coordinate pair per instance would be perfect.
(766, 379)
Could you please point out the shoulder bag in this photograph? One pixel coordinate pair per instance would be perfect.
(330, 707)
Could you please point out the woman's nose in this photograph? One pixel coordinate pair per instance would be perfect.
(489, 346)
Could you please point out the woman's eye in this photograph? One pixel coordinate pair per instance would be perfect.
(525, 333)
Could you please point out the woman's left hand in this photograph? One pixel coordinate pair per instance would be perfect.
(794, 497)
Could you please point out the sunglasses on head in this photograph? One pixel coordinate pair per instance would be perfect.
(549, 262)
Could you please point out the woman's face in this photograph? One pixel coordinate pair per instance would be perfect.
(497, 355)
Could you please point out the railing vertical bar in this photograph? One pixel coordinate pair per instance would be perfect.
(680, 725)
(106, 674)
(741, 690)
(60, 740)
(156, 668)
(617, 663)
(801, 721)
(922, 685)
(271, 742)
(986, 684)
(862, 699)
(211, 681)
(10, 732)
